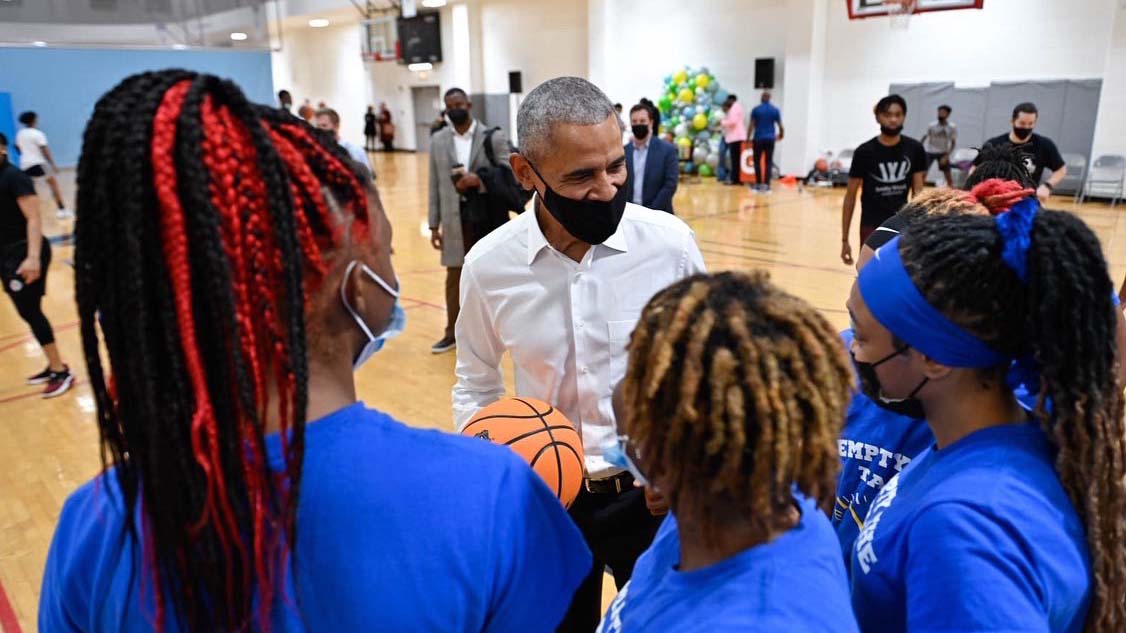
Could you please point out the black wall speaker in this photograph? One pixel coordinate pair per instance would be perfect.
(764, 72)
(515, 82)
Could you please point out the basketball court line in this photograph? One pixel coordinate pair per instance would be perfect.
(778, 263)
(9, 623)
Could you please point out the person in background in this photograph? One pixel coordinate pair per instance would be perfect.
(370, 121)
(328, 119)
(939, 141)
(559, 289)
(456, 154)
(285, 101)
(748, 477)
(887, 167)
(386, 128)
(764, 117)
(734, 132)
(307, 111)
(625, 125)
(36, 158)
(651, 164)
(246, 488)
(654, 114)
(25, 257)
(1039, 153)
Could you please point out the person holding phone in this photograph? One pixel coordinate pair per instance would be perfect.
(25, 256)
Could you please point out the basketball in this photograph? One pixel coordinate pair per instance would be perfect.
(539, 433)
(821, 165)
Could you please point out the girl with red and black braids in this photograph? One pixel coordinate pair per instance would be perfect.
(237, 271)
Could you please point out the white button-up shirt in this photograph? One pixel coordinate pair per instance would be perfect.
(565, 323)
(463, 144)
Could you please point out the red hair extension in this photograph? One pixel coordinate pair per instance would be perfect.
(205, 445)
(338, 174)
(304, 186)
(222, 158)
(999, 195)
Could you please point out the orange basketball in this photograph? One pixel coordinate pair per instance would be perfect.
(821, 165)
(540, 434)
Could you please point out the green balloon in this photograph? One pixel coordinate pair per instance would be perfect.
(664, 105)
(706, 171)
(692, 84)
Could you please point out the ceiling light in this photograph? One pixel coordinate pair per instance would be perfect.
(39, 43)
(318, 23)
(433, 4)
(238, 36)
(414, 68)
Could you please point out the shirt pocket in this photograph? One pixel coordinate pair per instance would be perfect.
(618, 337)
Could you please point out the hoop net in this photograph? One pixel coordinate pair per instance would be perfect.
(899, 13)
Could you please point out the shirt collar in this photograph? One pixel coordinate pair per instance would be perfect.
(643, 146)
(537, 241)
(468, 133)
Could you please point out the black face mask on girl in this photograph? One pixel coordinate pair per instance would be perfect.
(870, 386)
(592, 221)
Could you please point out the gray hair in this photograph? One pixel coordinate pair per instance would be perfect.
(568, 100)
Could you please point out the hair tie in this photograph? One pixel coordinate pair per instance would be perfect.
(1015, 227)
(1000, 195)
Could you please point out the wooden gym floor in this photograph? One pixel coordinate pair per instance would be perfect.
(49, 447)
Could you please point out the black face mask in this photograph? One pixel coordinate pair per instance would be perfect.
(891, 131)
(592, 221)
(1022, 132)
(458, 116)
(910, 406)
(640, 131)
(942, 119)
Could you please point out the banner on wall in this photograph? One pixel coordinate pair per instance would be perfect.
(8, 126)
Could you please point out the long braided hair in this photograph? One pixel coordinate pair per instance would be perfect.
(736, 390)
(1062, 317)
(203, 224)
(1002, 162)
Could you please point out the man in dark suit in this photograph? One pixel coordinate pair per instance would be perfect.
(651, 164)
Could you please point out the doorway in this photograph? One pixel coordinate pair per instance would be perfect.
(427, 104)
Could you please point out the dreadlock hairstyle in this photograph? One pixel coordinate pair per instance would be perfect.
(1002, 162)
(936, 202)
(202, 225)
(736, 390)
(1062, 317)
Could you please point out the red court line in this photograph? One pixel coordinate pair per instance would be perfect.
(67, 325)
(850, 273)
(29, 337)
(420, 302)
(9, 623)
(35, 394)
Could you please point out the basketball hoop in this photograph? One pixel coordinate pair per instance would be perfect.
(899, 13)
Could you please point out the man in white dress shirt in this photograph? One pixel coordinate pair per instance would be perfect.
(561, 290)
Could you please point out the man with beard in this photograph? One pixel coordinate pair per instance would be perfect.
(1035, 151)
(886, 167)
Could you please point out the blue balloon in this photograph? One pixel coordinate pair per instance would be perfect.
(688, 112)
(704, 70)
(667, 79)
(721, 95)
(689, 168)
(703, 136)
(701, 110)
(712, 87)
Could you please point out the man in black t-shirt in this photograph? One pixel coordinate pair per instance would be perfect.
(1036, 152)
(24, 258)
(886, 167)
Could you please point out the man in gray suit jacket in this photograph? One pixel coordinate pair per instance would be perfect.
(456, 154)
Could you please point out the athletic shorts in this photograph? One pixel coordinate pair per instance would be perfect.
(35, 171)
(941, 158)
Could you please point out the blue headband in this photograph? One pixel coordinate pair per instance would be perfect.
(897, 304)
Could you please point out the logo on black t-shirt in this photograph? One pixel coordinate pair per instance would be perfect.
(893, 172)
(1029, 163)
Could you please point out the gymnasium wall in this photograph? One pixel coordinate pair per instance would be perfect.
(1008, 40)
(1110, 129)
(63, 84)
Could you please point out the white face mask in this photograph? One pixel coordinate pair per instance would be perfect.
(394, 327)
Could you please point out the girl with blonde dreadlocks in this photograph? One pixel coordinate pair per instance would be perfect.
(239, 270)
(1013, 519)
(733, 398)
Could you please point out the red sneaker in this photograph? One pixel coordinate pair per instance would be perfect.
(59, 384)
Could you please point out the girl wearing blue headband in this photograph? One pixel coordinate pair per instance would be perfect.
(1012, 520)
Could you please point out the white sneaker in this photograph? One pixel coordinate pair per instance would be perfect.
(64, 214)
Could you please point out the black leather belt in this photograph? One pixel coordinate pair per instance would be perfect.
(615, 485)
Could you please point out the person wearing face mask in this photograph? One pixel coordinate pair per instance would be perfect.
(1038, 153)
(651, 164)
(886, 167)
(939, 141)
(560, 289)
(456, 155)
(1012, 519)
(237, 269)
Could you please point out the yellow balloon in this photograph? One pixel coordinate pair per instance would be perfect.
(683, 142)
(700, 121)
(687, 96)
(702, 81)
(679, 77)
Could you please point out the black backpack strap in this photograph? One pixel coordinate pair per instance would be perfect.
(489, 153)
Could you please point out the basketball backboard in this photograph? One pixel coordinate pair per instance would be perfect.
(858, 9)
(379, 39)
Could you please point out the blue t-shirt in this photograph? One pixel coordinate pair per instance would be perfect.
(875, 445)
(795, 583)
(398, 529)
(764, 116)
(978, 536)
